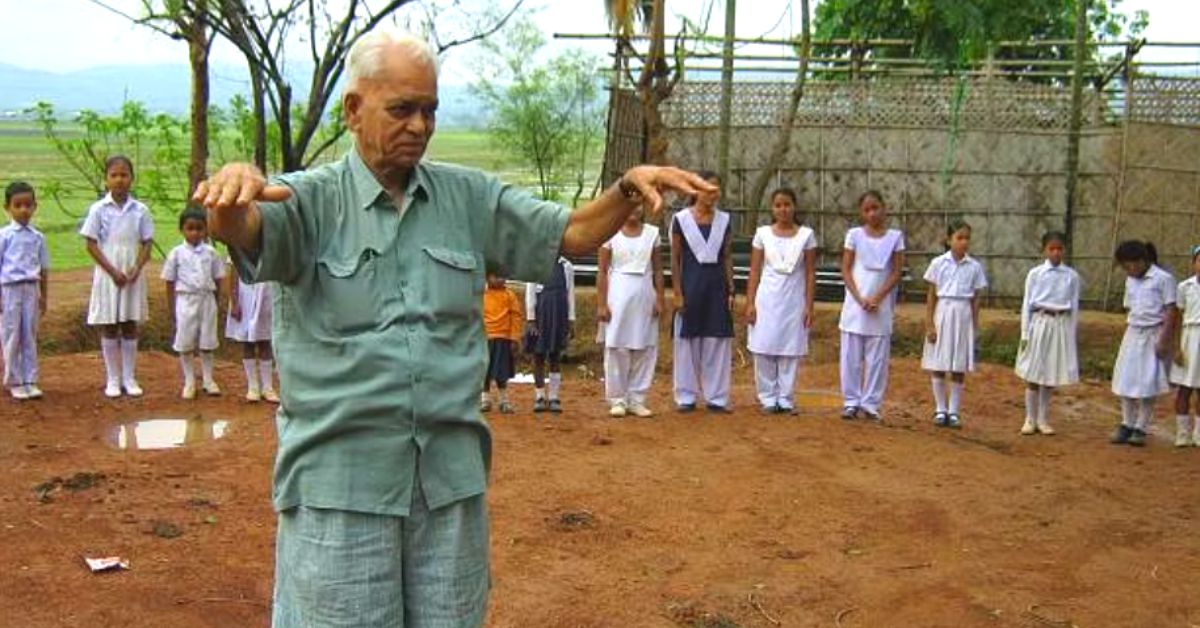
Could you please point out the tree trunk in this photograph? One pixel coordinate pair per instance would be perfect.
(260, 118)
(654, 86)
(198, 48)
(783, 141)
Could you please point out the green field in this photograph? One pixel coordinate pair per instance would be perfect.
(25, 154)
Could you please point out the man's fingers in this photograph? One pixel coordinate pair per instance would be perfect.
(652, 199)
(201, 192)
(275, 193)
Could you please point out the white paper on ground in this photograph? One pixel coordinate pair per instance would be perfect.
(106, 564)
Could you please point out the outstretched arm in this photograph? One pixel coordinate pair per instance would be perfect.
(594, 223)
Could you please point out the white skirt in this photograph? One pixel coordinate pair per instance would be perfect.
(255, 323)
(1050, 357)
(954, 350)
(109, 304)
(1188, 375)
(195, 322)
(1138, 372)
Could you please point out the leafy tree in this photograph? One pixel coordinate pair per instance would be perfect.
(957, 31)
(546, 114)
(657, 78)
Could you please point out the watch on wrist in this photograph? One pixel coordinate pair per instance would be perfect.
(628, 190)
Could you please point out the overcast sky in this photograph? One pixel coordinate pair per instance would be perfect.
(65, 35)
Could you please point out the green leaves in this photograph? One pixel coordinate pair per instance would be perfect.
(546, 114)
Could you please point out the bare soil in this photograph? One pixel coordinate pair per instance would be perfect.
(679, 520)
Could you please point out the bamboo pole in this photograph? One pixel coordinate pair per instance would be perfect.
(726, 91)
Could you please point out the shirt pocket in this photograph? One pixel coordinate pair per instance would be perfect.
(347, 294)
(454, 281)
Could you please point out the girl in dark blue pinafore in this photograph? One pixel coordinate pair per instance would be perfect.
(702, 282)
(550, 312)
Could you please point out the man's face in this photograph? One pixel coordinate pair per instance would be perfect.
(392, 114)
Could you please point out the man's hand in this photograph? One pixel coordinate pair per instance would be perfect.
(236, 185)
(603, 313)
(651, 181)
(235, 312)
(229, 195)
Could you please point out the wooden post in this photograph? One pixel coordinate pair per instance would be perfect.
(1130, 81)
(726, 93)
(1076, 123)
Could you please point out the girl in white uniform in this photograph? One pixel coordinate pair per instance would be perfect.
(249, 324)
(779, 302)
(951, 318)
(193, 272)
(119, 232)
(1047, 357)
(629, 289)
(1185, 373)
(1141, 372)
(872, 261)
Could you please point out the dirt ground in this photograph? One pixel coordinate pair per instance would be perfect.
(679, 520)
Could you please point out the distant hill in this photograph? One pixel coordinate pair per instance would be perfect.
(165, 87)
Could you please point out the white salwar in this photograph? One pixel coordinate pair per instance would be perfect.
(778, 337)
(631, 335)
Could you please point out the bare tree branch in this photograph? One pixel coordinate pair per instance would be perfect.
(147, 21)
(487, 33)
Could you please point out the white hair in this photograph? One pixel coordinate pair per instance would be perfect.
(366, 55)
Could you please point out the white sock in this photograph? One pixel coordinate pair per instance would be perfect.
(189, 370)
(1146, 414)
(1044, 405)
(1032, 407)
(540, 393)
(1129, 412)
(1181, 424)
(483, 397)
(129, 348)
(250, 366)
(206, 366)
(555, 384)
(939, 393)
(110, 348)
(266, 373)
(956, 389)
(503, 395)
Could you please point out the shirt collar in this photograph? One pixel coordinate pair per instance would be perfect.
(966, 258)
(16, 226)
(367, 188)
(108, 198)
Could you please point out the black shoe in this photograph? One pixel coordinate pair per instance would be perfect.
(770, 409)
(539, 406)
(786, 410)
(940, 419)
(555, 406)
(1121, 435)
(873, 417)
(684, 408)
(1137, 438)
(716, 408)
(953, 421)
(849, 413)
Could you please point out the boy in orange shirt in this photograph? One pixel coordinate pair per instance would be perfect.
(503, 322)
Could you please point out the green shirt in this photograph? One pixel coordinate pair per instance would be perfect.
(379, 331)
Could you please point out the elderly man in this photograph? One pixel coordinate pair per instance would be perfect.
(383, 456)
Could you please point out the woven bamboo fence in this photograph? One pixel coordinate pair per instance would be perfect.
(989, 150)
